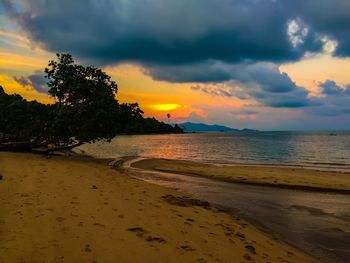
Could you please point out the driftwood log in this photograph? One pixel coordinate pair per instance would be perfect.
(28, 146)
(16, 146)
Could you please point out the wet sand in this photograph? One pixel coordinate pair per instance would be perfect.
(80, 210)
(280, 177)
(315, 221)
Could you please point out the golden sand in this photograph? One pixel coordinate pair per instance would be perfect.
(272, 176)
(80, 210)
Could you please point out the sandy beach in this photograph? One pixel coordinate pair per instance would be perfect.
(283, 177)
(77, 209)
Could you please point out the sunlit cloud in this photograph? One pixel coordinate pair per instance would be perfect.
(297, 32)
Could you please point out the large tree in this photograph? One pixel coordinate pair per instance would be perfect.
(86, 105)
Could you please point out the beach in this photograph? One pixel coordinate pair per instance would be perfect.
(78, 209)
(274, 176)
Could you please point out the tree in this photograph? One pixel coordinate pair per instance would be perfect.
(85, 107)
(168, 116)
(21, 121)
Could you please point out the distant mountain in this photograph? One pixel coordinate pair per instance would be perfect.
(201, 127)
(249, 130)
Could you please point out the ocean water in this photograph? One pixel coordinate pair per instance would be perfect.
(327, 150)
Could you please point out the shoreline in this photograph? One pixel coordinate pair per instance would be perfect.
(85, 208)
(325, 167)
(338, 168)
(268, 176)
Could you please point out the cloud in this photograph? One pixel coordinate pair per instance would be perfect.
(263, 82)
(6, 5)
(297, 32)
(236, 43)
(267, 75)
(37, 81)
(334, 24)
(185, 31)
(246, 112)
(23, 81)
(334, 102)
(347, 89)
(330, 87)
(336, 99)
(210, 71)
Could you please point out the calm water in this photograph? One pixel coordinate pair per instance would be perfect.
(315, 149)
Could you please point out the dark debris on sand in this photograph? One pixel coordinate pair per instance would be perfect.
(140, 232)
(185, 201)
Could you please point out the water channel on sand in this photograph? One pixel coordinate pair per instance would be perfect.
(316, 222)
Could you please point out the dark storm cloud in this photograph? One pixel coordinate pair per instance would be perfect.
(201, 72)
(330, 18)
(266, 74)
(185, 31)
(37, 81)
(167, 31)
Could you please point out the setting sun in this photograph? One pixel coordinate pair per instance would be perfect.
(166, 107)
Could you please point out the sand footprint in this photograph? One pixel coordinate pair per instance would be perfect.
(87, 248)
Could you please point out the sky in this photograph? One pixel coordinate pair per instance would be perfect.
(262, 64)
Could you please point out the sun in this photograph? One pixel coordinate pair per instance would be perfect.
(166, 107)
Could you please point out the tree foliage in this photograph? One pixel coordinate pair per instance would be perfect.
(21, 118)
(131, 121)
(85, 107)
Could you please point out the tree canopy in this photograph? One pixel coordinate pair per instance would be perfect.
(85, 110)
(85, 106)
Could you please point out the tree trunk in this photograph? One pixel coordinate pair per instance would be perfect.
(34, 147)
(47, 150)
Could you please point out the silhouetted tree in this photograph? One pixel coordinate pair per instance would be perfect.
(168, 116)
(86, 106)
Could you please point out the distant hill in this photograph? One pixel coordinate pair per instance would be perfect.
(249, 130)
(201, 127)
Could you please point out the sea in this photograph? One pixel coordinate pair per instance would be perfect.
(308, 149)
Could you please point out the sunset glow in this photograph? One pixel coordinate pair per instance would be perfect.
(234, 89)
(166, 107)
